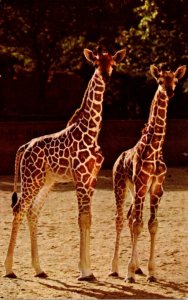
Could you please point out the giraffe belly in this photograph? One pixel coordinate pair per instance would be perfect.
(58, 177)
(59, 172)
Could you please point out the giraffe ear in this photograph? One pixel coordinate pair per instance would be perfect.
(154, 71)
(119, 56)
(180, 72)
(89, 55)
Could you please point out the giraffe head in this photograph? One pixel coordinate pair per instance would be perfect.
(167, 79)
(103, 61)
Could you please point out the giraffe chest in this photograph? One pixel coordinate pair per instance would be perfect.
(149, 152)
(143, 164)
(84, 135)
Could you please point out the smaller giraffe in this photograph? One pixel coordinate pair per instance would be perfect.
(141, 169)
(73, 154)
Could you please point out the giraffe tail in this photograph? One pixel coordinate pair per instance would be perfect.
(14, 199)
(16, 173)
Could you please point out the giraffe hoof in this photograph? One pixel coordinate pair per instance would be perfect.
(10, 275)
(151, 279)
(130, 280)
(42, 275)
(139, 272)
(113, 274)
(87, 278)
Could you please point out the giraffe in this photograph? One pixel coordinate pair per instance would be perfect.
(72, 154)
(142, 169)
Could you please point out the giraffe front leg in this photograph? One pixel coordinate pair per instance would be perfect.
(84, 195)
(130, 217)
(84, 264)
(156, 193)
(132, 266)
(85, 177)
(152, 226)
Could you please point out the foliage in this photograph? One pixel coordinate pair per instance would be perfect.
(38, 36)
(46, 34)
(161, 35)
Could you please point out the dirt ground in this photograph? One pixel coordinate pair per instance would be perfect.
(59, 245)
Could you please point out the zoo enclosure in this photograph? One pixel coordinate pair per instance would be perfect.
(115, 136)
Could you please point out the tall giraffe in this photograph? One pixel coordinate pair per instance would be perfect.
(72, 154)
(141, 169)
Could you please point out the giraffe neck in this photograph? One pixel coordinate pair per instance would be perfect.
(91, 106)
(90, 115)
(156, 127)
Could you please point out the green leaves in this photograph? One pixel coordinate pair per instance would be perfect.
(52, 34)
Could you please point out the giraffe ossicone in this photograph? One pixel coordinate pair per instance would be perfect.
(142, 169)
(72, 154)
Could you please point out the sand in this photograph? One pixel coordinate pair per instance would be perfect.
(59, 245)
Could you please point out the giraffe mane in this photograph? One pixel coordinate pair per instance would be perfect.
(144, 130)
(79, 111)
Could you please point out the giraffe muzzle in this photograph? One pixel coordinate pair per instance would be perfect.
(106, 77)
(170, 93)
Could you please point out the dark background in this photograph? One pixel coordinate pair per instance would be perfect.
(43, 70)
(44, 73)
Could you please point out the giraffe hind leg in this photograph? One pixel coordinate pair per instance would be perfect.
(120, 190)
(18, 217)
(19, 210)
(84, 221)
(130, 217)
(32, 217)
(135, 225)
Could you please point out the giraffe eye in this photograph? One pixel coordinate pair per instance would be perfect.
(96, 64)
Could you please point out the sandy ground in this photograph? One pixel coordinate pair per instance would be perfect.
(59, 245)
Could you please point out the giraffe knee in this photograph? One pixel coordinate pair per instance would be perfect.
(32, 215)
(84, 220)
(153, 226)
(137, 227)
